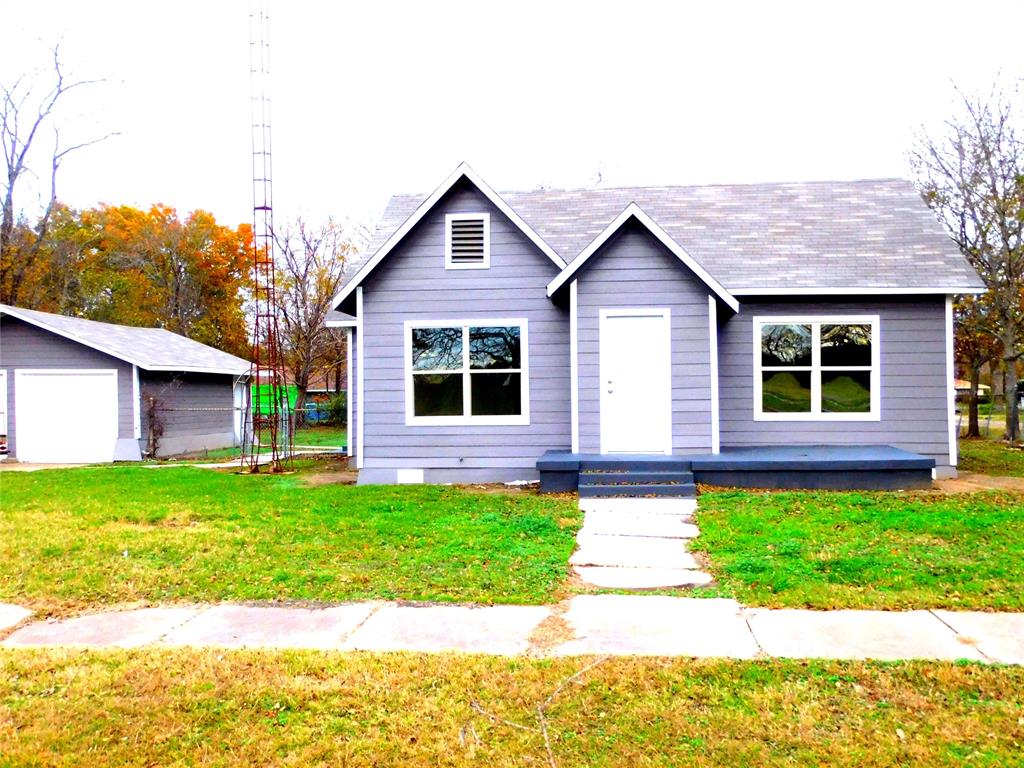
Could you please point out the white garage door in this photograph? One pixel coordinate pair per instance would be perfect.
(65, 416)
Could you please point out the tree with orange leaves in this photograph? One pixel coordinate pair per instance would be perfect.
(151, 268)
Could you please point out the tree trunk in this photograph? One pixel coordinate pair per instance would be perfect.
(1010, 394)
(300, 403)
(973, 428)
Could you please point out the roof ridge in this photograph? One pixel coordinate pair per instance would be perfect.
(711, 185)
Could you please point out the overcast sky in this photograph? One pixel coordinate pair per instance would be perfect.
(374, 98)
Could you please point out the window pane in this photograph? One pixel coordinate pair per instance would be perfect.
(496, 394)
(786, 392)
(437, 394)
(845, 345)
(436, 349)
(846, 391)
(786, 345)
(494, 347)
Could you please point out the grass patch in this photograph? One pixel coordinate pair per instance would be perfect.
(865, 550)
(187, 707)
(321, 436)
(88, 537)
(991, 457)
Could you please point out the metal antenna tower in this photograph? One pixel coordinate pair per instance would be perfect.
(270, 413)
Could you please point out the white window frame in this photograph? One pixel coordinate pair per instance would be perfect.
(522, 418)
(816, 321)
(448, 219)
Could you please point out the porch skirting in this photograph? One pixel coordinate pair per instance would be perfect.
(857, 467)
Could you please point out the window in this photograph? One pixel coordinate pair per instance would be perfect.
(467, 372)
(467, 241)
(816, 368)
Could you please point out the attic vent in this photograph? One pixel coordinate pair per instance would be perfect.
(467, 241)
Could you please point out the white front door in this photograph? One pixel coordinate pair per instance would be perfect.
(636, 380)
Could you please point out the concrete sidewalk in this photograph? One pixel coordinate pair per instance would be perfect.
(627, 625)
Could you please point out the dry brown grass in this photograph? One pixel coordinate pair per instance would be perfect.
(185, 707)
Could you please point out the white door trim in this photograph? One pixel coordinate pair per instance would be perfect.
(665, 314)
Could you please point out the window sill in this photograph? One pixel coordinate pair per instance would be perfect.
(466, 421)
(817, 417)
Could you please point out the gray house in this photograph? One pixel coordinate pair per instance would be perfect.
(76, 390)
(774, 334)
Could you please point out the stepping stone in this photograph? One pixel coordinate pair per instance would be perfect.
(498, 629)
(240, 626)
(10, 615)
(121, 629)
(641, 578)
(632, 552)
(848, 634)
(1000, 636)
(685, 507)
(638, 524)
(651, 625)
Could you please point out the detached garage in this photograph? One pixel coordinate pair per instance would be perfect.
(76, 391)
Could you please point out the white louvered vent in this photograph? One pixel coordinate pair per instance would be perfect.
(467, 243)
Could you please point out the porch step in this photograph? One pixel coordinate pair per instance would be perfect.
(632, 490)
(633, 464)
(633, 478)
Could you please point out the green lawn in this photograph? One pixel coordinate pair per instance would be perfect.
(991, 457)
(865, 550)
(321, 436)
(236, 708)
(88, 537)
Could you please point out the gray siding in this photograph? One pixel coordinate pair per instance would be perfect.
(413, 284)
(914, 412)
(197, 410)
(25, 346)
(635, 270)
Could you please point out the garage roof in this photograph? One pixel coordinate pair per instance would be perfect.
(152, 349)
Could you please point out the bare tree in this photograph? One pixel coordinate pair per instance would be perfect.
(23, 117)
(311, 267)
(973, 178)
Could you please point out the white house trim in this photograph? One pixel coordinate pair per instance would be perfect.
(353, 323)
(348, 392)
(361, 394)
(716, 441)
(467, 419)
(875, 414)
(4, 423)
(574, 366)
(950, 384)
(463, 171)
(635, 211)
(136, 403)
(854, 291)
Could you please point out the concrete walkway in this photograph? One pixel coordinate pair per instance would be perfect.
(628, 625)
(637, 544)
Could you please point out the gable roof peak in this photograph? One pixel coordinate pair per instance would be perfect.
(634, 211)
(463, 171)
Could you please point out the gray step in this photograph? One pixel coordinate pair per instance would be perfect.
(635, 464)
(642, 478)
(680, 490)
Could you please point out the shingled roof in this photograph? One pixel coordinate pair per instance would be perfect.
(152, 349)
(875, 234)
